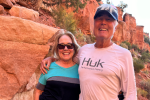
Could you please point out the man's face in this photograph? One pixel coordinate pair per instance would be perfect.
(104, 27)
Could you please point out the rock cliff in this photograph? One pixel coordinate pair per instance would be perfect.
(23, 44)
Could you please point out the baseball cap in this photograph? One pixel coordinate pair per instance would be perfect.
(112, 10)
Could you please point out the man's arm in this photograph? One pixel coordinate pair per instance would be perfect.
(46, 63)
(128, 83)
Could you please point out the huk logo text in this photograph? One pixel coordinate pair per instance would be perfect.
(89, 61)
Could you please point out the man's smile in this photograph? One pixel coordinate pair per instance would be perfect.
(102, 29)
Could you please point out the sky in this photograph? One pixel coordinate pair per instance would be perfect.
(139, 9)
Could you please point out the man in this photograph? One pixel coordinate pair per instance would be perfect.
(104, 67)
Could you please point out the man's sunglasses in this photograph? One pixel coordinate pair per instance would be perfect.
(62, 46)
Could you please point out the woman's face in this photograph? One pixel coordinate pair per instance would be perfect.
(67, 52)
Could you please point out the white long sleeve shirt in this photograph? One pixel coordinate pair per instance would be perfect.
(103, 72)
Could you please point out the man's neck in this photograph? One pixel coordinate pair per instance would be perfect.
(103, 44)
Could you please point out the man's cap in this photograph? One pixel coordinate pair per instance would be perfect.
(112, 10)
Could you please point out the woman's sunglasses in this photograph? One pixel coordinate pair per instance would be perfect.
(62, 46)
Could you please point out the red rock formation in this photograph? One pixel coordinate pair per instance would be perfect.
(21, 51)
(13, 1)
(120, 32)
(120, 13)
(1, 9)
(146, 46)
(139, 36)
(24, 13)
(130, 28)
(6, 3)
(20, 30)
(85, 17)
(18, 62)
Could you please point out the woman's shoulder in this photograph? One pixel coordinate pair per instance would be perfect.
(76, 65)
(53, 65)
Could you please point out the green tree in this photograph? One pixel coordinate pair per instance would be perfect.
(122, 5)
(128, 44)
(124, 45)
(135, 47)
(69, 3)
(64, 20)
(145, 84)
(138, 65)
(145, 56)
(146, 39)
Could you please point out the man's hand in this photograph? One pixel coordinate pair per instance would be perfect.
(45, 64)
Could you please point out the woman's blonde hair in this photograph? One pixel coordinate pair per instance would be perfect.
(56, 42)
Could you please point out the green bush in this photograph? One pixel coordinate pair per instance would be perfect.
(81, 38)
(145, 57)
(146, 86)
(135, 47)
(64, 20)
(75, 4)
(138, 65)
(128, 44)
(124, 45)
(146, 39)
(146, 72)
(142, 92)
(134, 54)
(92, 37)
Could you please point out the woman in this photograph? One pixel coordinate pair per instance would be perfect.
(62, 80)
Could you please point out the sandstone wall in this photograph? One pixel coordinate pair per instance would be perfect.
(130, 28)
(120, 13)
(120, 33)
(22, 30)
(85, 17)
(22, 47)
(139, 36)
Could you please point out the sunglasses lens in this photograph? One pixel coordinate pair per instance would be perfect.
(69, 46)
(60, 46)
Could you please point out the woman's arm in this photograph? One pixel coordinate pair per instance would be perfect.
(37, 93)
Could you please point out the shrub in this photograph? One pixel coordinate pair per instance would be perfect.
(90, 38)
(147, 51)
(138, 65)
(134, 54)
(146, 72)
(146, 39)
(135, 47)
(146, 86)
(128, 44)
(145, 56)
(64, 20)
(124, 45)
(81, 38)
(142, 92)
(93, 38)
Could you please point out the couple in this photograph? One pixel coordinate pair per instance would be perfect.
(104, 67)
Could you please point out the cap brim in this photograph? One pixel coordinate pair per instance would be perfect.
(99, 13)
